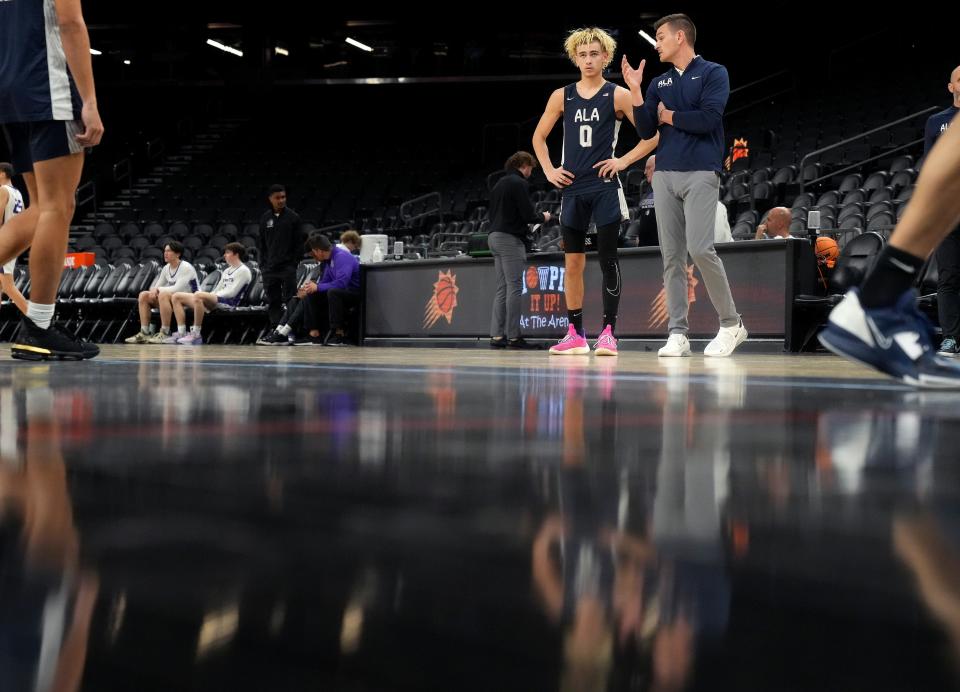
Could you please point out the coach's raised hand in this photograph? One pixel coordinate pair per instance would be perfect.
(633, 79)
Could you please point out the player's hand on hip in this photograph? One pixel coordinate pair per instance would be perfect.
(560, 177)
(632, 77)
(610, 167)
(92, 125)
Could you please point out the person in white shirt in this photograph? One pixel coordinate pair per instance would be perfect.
(234, 282)
(776, 225)
(721, 229)
(11, 204)
(177, 276)
(350, 241)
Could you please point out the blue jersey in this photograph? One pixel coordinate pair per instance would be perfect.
(590, 130)
(35, 84)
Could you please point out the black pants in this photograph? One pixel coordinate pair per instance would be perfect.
(279, 286)
(948, 284)
(293, 318)
(328, 310)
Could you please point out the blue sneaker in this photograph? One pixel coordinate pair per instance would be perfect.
(897, 341)
(949, 348)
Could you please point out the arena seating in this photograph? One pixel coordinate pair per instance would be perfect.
(208, 189)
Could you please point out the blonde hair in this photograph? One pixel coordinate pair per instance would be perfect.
(586, 36)
(350, 237)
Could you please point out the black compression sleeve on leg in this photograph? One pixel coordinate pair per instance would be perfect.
(607, 238)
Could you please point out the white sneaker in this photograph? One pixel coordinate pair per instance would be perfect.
(157, 338)
(138, 338)
(726, 341)
(678, 346)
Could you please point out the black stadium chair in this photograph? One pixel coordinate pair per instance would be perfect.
(811, 311)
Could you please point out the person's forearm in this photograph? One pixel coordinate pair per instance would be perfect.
(542, 153)
(338, 281)
(697, 122)
(644, 147)
(230, 292)
(76, 48)
(645, 121)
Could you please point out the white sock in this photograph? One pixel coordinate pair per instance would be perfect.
(284, 330)
(145, 328)
(194, 330)
(39, 402)
(40, 315)
(165, 331)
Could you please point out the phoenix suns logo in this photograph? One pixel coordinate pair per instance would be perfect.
(658, 315)
(443, 301)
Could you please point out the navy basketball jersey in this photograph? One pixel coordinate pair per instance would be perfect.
(35, 84)
(590, 130)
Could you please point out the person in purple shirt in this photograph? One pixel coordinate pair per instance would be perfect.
(326, 301)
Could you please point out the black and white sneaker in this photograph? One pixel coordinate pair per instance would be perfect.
(896, 340)
(273, 339)
(334, 339)
(308, 341)
(33, 343)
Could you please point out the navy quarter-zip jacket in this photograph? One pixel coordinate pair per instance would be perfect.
(698, 98)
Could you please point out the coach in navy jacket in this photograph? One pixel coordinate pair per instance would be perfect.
(685, 105)
(693, 140)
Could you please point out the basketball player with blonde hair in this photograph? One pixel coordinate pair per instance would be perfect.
(592, 110)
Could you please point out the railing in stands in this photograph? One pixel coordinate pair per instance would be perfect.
(123, 170)
(408, 214)
(155, 149)
(185, 128)
(893, 123)
(744, 89)
(87, 194)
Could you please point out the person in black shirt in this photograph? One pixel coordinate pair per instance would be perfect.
(877, 323)
(948, 253)
(510, 213)
(280, 248)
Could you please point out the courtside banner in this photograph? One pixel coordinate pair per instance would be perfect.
(453, 297)
(78, 259)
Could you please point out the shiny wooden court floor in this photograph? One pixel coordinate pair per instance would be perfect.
(820, 366)
(293, 518)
